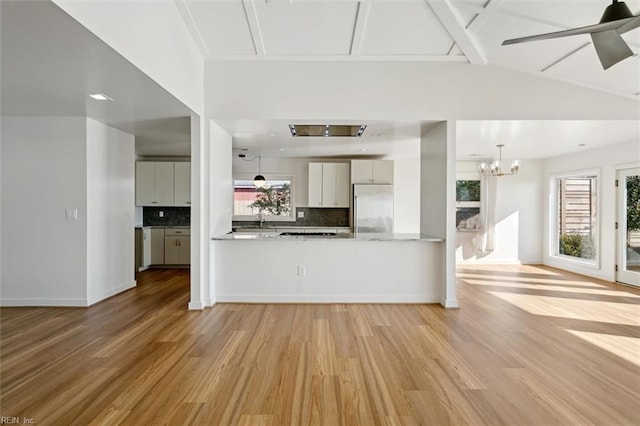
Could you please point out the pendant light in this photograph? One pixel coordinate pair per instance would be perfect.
(494, 168)
(259, 180)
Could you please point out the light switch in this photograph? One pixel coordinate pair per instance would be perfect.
(161, 213)
(71, 214)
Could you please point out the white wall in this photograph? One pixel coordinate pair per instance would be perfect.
(43, 174)
(110, 215)
(518, 217)
(221, 193)
(406, 195)
(433, 182)
(153, 36)
(336, 271)
(399, 90)
(606, 160)
(437, 200)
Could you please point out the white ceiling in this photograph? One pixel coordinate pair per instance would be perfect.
(433, 30)
(50, 63)
(537, 139)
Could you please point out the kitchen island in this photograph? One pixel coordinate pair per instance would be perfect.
(342, 268)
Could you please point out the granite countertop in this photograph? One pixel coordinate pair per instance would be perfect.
(163, 226)
(343, 237)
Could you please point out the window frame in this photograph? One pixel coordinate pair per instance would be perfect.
(255, 217)
(553, 219)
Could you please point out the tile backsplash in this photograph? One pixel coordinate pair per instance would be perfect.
(171, 216)
(338, 217)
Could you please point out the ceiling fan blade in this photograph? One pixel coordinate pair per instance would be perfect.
(630, 25)
(610, 47)
(606, 26)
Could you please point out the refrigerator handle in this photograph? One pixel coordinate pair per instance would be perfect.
(355, 214)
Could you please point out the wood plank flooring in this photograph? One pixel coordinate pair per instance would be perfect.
(530, 345)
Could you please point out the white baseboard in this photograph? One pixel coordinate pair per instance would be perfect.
(449, 303)
(68, 303)
(302, 298)
(211, 302)
(92, 300)
(196, 306)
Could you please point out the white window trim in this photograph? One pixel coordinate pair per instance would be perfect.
(553, 219)
(254, 218)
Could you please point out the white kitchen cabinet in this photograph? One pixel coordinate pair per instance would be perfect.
(372, 171)
(177, 247)
(315, 185)
(343, 185)
(157, 246)
(328, 185)
(154, 183)
(182, 184)
(146, 248)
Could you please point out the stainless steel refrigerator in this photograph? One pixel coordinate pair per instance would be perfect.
(373, 208)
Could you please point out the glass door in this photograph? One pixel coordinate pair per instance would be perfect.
(628, 226)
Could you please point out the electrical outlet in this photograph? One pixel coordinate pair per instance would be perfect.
(71, 214)
(161, 213)
(301, 215)
(302, 271)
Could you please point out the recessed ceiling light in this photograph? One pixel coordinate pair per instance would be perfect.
(282, 149)
(363, 150)
(100, 97)
(474, 155)
(273, 135)
(377, 135)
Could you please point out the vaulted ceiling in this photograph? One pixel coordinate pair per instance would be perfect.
(430, 30)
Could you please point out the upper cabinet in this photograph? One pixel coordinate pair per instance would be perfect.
(372, 171)
(182, 184)
(328, 185)
(156, 183)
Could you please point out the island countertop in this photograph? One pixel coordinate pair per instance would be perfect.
(245, 236)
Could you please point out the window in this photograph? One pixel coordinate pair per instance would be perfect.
(468, 204)
(576, 217)
(272, 201)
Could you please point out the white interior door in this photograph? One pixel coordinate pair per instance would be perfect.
(628, 226)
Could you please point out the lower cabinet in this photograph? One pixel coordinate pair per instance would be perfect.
(177, 247)
(157, 246)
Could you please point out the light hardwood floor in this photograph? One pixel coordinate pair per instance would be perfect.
(530, 345)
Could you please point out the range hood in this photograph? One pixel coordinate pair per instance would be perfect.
(327, 130)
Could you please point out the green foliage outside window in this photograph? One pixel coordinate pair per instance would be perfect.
(273, 201)
(577, 245)
(633, 203)
(467, 190)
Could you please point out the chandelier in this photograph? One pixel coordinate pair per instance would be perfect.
(494, 168)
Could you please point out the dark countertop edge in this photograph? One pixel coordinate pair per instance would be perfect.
(246, 236)
(163, 226)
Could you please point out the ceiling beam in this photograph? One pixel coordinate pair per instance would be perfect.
(185, 12)
(359, 27)
(484, 14)
(254, 26)
(451, 22)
